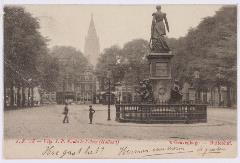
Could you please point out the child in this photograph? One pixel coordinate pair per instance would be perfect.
(65, 113)
(91, 112)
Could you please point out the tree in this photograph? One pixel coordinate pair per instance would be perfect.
(208, 47)
(49, 68)
(74, 61)
(128, 64)
(23, 45)
(22, 40)
(135, 52)
(109, 61)
(68, 62)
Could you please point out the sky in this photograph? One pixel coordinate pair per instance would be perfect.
(67, 25)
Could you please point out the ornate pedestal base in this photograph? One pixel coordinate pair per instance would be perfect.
(160, 75)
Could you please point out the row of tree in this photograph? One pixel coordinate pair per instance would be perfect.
(27, 60)
(24, 51)
(210, 49)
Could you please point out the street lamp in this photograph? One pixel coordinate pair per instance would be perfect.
(197, 84)
(119, 90)
(119, 97)
(109, 93)
(219, 82)
(30, 93)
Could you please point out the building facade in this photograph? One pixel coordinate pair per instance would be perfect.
(75, 86)
(85, 87)
(80, 89)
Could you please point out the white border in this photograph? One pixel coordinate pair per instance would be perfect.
(120, 1)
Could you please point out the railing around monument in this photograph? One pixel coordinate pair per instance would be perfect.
(161, 113)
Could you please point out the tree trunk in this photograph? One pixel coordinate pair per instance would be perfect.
(229, 103)
(212, 103)
(32, 97)
(219, 96)
(5, 97)
(18, 97)
(12, 96)
(28, 97)
(23, 96)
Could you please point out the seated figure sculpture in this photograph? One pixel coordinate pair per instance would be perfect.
(176, 95)
(145, 91)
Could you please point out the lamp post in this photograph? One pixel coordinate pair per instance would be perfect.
(109, 93)
(119, 90)
(119, 97)
(219, 82)
(197, 85)
(29, 92)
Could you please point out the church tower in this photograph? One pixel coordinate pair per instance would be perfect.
(92, 46)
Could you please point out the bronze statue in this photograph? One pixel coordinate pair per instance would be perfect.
(145, 91)
(176, 95)
(158, 42)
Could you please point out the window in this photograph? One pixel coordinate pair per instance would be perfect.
(87, 87)
(82, 87)
(90, 77)
(81, 78)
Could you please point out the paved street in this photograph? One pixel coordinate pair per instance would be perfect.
(46, 121)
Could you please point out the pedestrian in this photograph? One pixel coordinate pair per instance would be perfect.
(91, 112)
(65, 112)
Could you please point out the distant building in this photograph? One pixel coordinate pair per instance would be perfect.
(92, 46)
(85, 87)
(75, 87)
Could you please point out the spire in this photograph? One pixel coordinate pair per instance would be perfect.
(92, 47)
(91, 29)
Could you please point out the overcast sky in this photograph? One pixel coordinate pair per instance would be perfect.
(68, 24)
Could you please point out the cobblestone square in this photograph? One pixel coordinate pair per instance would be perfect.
(46, 121)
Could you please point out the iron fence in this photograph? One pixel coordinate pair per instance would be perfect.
(161, 113)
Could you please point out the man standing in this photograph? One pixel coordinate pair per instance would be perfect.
(91, 112)
(65, 113)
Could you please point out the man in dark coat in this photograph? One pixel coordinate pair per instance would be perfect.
(91, 112)
(65, 112)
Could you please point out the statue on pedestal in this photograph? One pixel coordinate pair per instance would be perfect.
(158, 42)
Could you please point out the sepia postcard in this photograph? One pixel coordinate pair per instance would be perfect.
(119, 81)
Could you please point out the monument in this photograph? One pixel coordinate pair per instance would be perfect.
(160, 96)
(160, 58)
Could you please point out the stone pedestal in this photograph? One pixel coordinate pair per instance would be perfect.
(160, 75)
